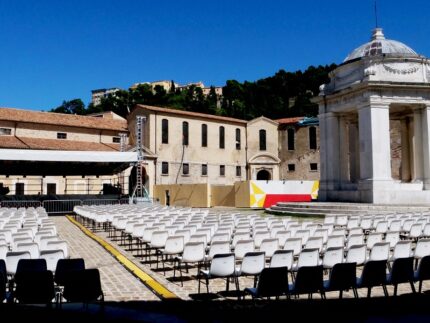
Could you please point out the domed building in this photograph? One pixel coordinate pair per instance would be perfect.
(375, 126)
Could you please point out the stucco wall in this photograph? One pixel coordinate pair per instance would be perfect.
(301, 156)
(242, 194)
(222, 195)
(192, 195)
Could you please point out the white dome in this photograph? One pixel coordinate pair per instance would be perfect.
(380, 46)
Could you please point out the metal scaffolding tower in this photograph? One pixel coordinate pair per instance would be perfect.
(139, 190)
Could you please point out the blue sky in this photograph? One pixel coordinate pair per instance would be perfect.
(52, 51)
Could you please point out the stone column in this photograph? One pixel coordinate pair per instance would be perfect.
(375, 151)
(426, 146)
(417, 147)
(329, 158)
(405, 175)
(354, 152)
(344, 162)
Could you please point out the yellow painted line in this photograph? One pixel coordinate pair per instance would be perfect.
(156, 287)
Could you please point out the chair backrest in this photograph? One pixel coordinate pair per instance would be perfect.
(374, 273)
(64, 266)
(31, 265)
(422, 248)
(343, 276)
(335, 241)
(194, 252)
(282, 236)
(357, 254)
(308, 280)
(392, 237)
(158, 238)
(382, 227)
(416, 230)
(321, 233)
(332, 256)
(52, 257)
(294, 244)
(4, 249)
(31, 247)
(304, 234)
(259, 236)
(423, 271)
(242, 247)
(12, 259)
(308, 257)
(402, 271)
(58, 245)
(315, 243)
(222, 265)
(282, 258)
(355, 239)
(34, 287)
(402, 249)
(273, 281)
(373, 238)
(269, 246)
(174, 245)
(252, 263)
(218, 247)
(380, 251)
(83, 286)
(395, 225)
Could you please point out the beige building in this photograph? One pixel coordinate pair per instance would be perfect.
(195, 148)
(51, 153)
(99, 94)
(299, 148)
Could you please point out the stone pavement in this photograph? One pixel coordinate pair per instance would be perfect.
(119, 284)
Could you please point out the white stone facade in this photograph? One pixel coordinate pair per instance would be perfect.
(355, 108)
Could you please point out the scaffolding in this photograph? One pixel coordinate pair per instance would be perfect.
(140, 192)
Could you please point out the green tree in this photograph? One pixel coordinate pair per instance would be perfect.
(75, 106)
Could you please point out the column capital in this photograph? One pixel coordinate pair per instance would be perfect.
(373, 105)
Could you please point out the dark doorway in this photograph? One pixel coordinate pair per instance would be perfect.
(263, 175)
(51, 188)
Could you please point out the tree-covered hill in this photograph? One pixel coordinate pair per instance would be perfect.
(285, 94)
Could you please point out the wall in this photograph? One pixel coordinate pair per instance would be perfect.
(222, 195)
(241, 198)
(192, 195)
(301, 156)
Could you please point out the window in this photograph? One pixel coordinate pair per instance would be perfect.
(116, 140)
(312, 138)
(262, 139)
(204, 169)
(164, 131)
(238, 139)
(164, 168)
(185, 133)
(51, 188)
(291, 167)
(314, 167)
(185, 169)
(19, 188)
(221, 137)
(61, 135)
(5, 131)
(204, 135)
(238, 171)
(221, 170)
(290, 133)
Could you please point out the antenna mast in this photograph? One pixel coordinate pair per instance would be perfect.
(376, 15)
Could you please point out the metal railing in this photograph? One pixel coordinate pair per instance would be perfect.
(20, 203)
(60, 206)
(101, 202)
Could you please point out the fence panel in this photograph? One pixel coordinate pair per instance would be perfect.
(60, 206)
(19, 203)
(100, 202)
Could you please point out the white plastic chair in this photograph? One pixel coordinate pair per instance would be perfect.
(282, 258)
(392, 237)
(354, 239)
(282, 236)
(315, 242)
(357, 254)
(332, 256)
(380, 251)
(243, 247)
(31, 247)
(12, 259)
(294, 244)
(51, 257)
(373, 238)
(402, 249)
(307, 258)
(269, 246)
(59, 245)
(422, 248)
(222, 266)
(218, 247)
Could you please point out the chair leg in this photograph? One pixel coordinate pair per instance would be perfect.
(227, 284)
(420, 287)
(355, 292)
(384, 287)
(198, 289)
(207, 285)
(369, 291)
(395, 289)
(340, 294)
(323, 295)
(412, 287)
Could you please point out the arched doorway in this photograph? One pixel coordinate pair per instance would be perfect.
(264, 175)
(132, 179)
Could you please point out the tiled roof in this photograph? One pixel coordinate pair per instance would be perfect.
(61, 119)
(12, 142)
(289, 120)
(190, 114)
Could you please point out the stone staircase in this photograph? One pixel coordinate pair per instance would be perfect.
(315, 209)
